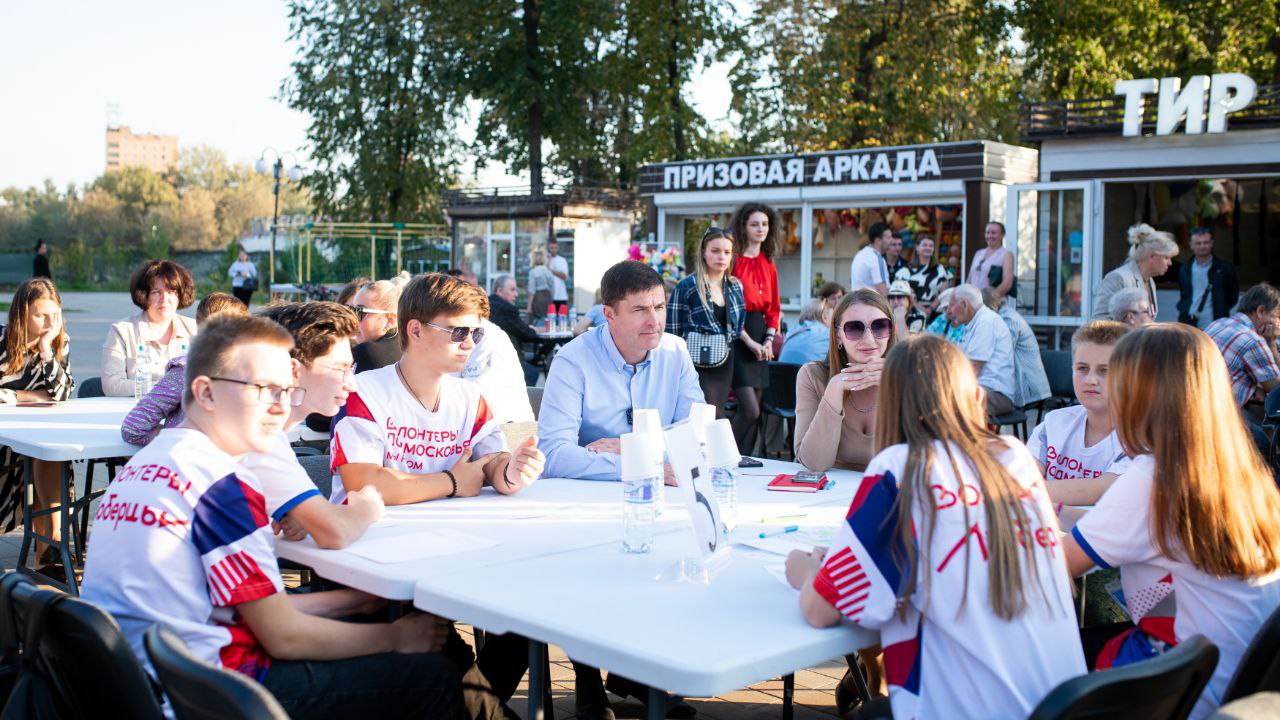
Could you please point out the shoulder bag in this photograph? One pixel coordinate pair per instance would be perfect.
(708, 350)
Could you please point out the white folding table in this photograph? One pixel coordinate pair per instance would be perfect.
(551, 516)
(79, 429)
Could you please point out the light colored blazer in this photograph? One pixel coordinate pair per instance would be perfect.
(1125, 276)
(120, 351)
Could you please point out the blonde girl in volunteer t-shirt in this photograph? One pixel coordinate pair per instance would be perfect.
(1076, 447)
(950, 549)
(1197, 500)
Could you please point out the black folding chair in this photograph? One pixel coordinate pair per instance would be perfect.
(779, 400)
(75, 661)
(198, 691)
(1057, 367)
(1166, 686)
(1016, 419)
(1259, 668)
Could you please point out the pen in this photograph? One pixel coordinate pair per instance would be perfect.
(783, 517)
(783, 531)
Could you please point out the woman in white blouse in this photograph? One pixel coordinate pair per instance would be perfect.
(160, 288)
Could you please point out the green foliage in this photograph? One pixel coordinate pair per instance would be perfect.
(1079, 49)
(373, 79)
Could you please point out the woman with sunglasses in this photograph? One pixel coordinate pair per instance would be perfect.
(375, 305)
(707, 309)
(755, 231)
(836, 398)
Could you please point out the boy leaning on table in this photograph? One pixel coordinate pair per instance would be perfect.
(416, 433)
(183, 538)
(595, 383)
(323, 372)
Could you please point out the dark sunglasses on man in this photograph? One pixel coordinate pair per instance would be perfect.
(459, 334)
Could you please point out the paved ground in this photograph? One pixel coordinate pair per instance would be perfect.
(89, 315)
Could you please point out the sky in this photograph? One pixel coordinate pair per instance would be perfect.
(208, 72)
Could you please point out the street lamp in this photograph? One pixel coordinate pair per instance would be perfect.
(277, 168)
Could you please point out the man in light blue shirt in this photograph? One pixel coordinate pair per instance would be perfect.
(600, 377)
(595, 384)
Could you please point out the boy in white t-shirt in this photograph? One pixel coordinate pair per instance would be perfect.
(323, 371)
(183, 538)
(1076, 447)
(416, 433)
(413, 431)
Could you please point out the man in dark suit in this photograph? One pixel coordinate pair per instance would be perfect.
(504, 313)
(1208, 285)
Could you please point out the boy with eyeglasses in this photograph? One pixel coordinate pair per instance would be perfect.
(182, 538)
(323, 372)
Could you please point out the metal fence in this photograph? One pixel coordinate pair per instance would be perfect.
(332, 254)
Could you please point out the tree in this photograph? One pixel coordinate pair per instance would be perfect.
(371, 77)
(1079, 49)
(140, 191)
(833, 74)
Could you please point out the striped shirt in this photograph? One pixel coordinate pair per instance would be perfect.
(1249, 360)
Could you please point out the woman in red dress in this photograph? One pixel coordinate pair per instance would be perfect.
(755, 235)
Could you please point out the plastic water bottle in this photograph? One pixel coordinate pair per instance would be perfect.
(565, 327)
(142, 373)
(722, 456)
(646, 420)
(639, 474)
(573, 317)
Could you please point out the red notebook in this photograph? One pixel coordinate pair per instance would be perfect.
(787, 483)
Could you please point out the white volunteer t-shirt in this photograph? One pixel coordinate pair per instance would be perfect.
(385, 425)
(867, 270)
(495, 366)
(1227, 611)
(181, 537)
(1058, 443)
(937, 663)
(284, 483)
(559, 291)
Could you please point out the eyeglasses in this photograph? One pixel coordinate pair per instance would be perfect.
(271, 394)
(361, 311)
(855, 329)
(459, 334)
(1141, 311)
(347, 371)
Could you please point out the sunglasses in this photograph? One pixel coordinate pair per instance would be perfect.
(361, 311)
(855, 329)
(459, 334)
(713, 230)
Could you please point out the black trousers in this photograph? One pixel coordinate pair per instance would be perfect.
(424, 685)
(244, 295)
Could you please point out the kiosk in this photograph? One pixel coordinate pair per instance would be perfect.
(826, 202)
(496, 229)
(1176, 157)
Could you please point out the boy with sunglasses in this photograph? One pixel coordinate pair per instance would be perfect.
(412, 429)
(416, 433)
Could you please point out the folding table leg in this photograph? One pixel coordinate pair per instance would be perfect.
(548, 705)
(537, 672)
(788, 697)
(28, 498)
(858, 678)
(657, 709)
(67, 529)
